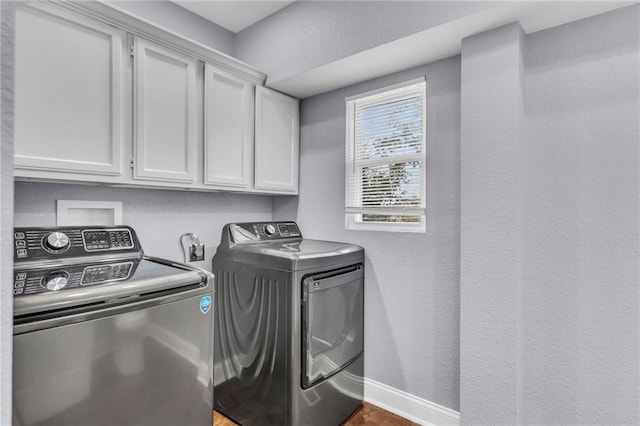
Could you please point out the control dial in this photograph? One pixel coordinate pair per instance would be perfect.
(56, 241)
(56, 280)
(269, 230)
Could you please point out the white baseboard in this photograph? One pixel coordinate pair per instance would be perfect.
(409, 406)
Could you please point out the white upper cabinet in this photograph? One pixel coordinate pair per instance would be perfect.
(104, 97)
(69, 94)
(228, 133)
(276, 142)
(165, 109)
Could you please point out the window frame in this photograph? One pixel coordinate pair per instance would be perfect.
(354, 106)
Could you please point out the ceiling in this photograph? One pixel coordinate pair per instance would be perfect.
(234, 15)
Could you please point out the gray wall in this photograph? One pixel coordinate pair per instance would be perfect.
(549, 192)
(307, 34)
(492, 131)
(412, 280)
(158, 216)
(7, 18)
(550, 314)
(581, 204)
(174, 18)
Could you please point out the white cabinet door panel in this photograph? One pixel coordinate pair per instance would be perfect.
(276, 141)
(68, 92)
(165, 105)
(228, 129)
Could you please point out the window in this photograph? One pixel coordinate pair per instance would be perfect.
(385, 159)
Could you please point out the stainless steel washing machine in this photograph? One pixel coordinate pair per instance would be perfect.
(289, 326)
(105, 335)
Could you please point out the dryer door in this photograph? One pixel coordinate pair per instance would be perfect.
(332, 322)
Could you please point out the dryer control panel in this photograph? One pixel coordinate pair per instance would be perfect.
(263, 231)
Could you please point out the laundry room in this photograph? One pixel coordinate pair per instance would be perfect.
(320, 212)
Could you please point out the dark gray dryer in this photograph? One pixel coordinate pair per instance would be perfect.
(289, 326)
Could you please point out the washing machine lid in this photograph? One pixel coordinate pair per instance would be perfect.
(280, 245)
(295, 254)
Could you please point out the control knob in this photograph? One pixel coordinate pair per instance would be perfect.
(56, 241)
(56, 280)
(269, 230)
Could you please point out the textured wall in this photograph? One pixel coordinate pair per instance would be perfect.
(7, 22)
(412, 280)
(550, 302)
(581, 204)
(158, 216)
(492, 134)
(174, 18)
(307, 34)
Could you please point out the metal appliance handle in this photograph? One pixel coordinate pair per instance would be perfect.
(327, 280)
(117, 306)
(36, 303)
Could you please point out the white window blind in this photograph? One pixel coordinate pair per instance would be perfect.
(385, 159)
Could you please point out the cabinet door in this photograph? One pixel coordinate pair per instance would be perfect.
(68, 93)
(165, 106)
(276, 141)
(228, 129)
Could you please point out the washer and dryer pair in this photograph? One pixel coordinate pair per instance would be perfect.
(289, 326)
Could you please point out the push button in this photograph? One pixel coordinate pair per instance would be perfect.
(21, 252)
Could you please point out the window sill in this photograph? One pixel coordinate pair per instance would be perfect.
(351, 224)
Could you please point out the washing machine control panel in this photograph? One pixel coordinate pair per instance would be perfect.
(43, 244)
(263, 231)
(32, 281)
